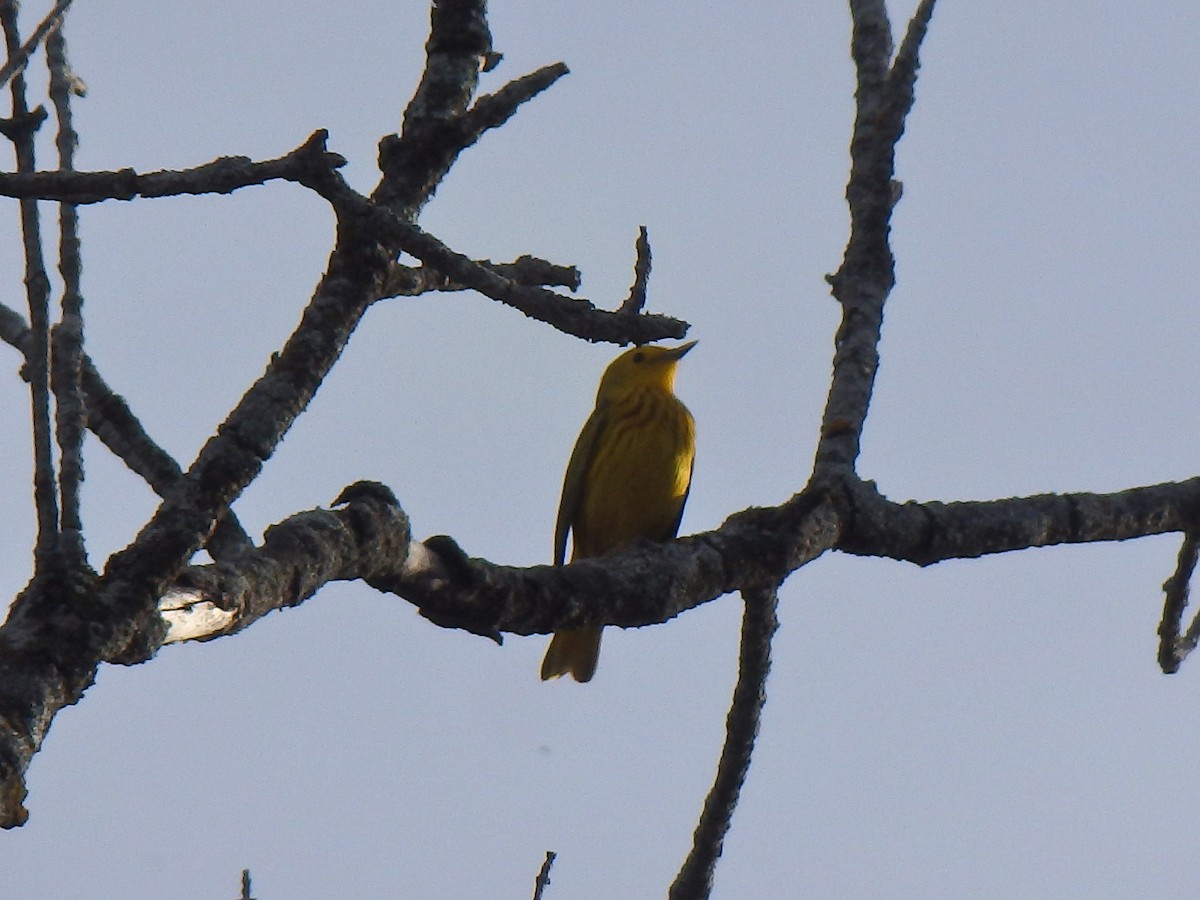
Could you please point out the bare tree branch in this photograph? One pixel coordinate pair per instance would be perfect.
(867, 274)
(312, 165)
(369, 539)
(493, 110)
(16, 62)
(414, 162)
(118, 617)
(931, 532)
(409, 281)
(67, 336)
(297, 558)
(543, 877)
(221, 176)
(20, 129)
(572, 315)
(759, 623)
(1173, 650)
(234, 455)
(110, 419)
(902, 78)
(150, 594)
(636, 301)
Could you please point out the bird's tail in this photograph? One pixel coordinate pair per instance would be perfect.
(573, 652)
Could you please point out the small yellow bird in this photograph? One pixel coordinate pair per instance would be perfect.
(627, 480)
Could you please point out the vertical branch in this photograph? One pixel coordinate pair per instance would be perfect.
(543, 876)
(883, 98)
(759, 622)
(70, 412)
(20, 129)
(17, 61)
(636, 300)
(1172, 649)
(413, 163)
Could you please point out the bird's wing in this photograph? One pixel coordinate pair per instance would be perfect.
(574, 482)
(682, 503)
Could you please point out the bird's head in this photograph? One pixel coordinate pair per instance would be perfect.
(647, 366)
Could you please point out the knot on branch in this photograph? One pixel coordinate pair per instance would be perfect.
(314, 164)
(24, 124)
(452, 590)
(382, 531)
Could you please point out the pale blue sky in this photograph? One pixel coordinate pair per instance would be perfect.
(995, 728)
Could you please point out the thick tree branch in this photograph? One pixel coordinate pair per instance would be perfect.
(368, 538)
(43, 667)
(298, 557)
(931, 532)
(650, 583)
(437, 125)
(233, 457)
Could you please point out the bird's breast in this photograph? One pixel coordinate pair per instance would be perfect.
(639, 474)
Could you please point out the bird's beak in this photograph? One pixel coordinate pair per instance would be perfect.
(678, 352)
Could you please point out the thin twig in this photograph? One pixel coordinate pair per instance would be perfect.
(493, 110)
(571, 315)
(1171, 649)
(20, 58)
(1190, 639)
(70, 413)
(20, 129)
(221, 176)
(636, 301)
(412, 281)
(902, 78)
(437, 131)
(759, 622)
(543, 876)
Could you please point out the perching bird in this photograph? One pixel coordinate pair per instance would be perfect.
(627, 480)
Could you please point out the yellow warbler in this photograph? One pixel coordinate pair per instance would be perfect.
(627, 480)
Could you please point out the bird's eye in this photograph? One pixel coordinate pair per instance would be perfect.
(639, 356)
